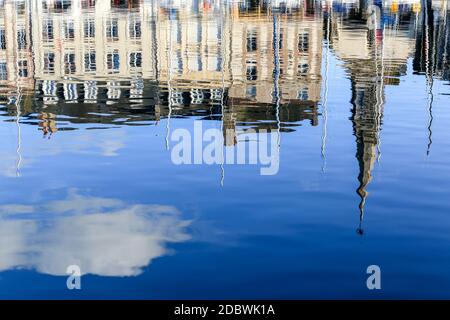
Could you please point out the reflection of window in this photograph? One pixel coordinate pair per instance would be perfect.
(20, 7)
(3, 71)
(303, 42)
(137, 88)
(135, 29)
(69, 63)
(90, 91)
(113, 90)
(252, 71)
(23, 68)
(219, 61)
(21, 39)
(70, 92)
(196, 96)
(216, 94)
(135, 59)
(303, 68)
(199, 62)
(2, 39)
(250, 92)
(177, 62)
(303, 94)
(62, 5)
(89, 62)
(113, 61)
(89, 28)
(49, 89)
(49, 62)
(175, 97)
(47, 29)
(252, 41)
(85, 4)
(68, 30)
(112, 29)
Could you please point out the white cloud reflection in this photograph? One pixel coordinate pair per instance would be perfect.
(103, 236)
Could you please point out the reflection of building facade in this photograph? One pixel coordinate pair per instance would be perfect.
(300, 52)
(433, 41)
(96, 54)
(160, 58)
(16, 61)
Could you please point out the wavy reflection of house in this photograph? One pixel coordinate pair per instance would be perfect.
(105, 61)
(433, 41)
(16, 59)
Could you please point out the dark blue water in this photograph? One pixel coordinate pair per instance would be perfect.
(356, 94)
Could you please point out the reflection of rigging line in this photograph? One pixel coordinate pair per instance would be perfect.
(222, 48)
(276, 76)
(169, 87)
(429, 80)
(430, 93)
(325, 99)
(430, 123)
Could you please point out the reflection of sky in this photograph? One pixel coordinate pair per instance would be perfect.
(284, 236)
(103, 236)
(105, 143)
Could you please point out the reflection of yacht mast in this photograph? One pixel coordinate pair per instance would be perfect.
(380, 99)
(169, 87)
(19, 142)
(446, 30)
(429, 73)
(154, 22)
(17, 103)
(276, 73)
(325, 99)
(222, 96)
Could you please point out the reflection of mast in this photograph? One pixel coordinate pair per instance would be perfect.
(222, 96)
(325, 99)
(380, 99)
(446, 35)
(429, 72)
(19, 141)
(169, 87)
(17, 101)
(276, 73)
